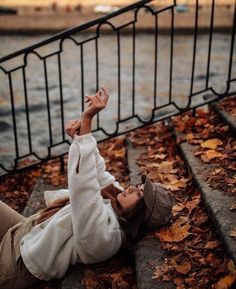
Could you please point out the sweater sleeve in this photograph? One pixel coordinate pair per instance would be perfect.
(104, 177)
(96, 231)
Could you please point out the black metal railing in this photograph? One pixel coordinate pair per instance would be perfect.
(44, 85)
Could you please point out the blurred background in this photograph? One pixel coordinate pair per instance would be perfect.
(26, 22)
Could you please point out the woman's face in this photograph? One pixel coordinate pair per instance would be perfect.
(130, 197)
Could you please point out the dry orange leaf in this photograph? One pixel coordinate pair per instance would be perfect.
(228, 280)
(167, 167)
(225, 282)
(211, 143)
(90, 281)
(191, 205)
(174, 184)
(120, 153)
(183, 268)
(178, 281)
(210, 154)
(212, 244)
(177, 232)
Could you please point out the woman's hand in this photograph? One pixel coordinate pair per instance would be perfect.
(96, 103)
(73, 127)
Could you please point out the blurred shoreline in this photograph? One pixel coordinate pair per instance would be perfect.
(44, 20)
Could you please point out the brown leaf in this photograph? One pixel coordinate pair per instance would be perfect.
(210, 154)
(120, 153)
(211, 143)
(175, 233)
(183, 268)
(227, 281)
(160, 271)
(167, 167)
(212, 244)
(172, 183)
(90, 281)
(191, 205)
(178, 208)
(178, 281)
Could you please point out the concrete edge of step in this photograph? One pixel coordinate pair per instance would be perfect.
(149, 252)
(224, 115)
(217, 203)
(74, 278)
(36, 200)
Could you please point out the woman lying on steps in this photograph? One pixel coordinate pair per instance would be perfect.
(87, 223)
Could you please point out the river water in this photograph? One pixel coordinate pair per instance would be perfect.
(108, 75)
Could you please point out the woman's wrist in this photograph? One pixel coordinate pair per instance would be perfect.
(86, 125)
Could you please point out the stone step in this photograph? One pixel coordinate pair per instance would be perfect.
(224, 115)
(217, 203)
(149, 252)
(36, 200)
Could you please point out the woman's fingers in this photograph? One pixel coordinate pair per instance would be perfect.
(76, 127)
(96, 102)
(106, 94)
(72, 127)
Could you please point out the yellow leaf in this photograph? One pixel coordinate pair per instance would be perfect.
(211, 143)
(210, 154)
(175, 233)
(120, 153)
(174, 184)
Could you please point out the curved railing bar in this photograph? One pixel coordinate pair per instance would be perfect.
(232, 43)
(98, 24)
(75, 30)
(210, 42)
(4, 70)
(194, 47)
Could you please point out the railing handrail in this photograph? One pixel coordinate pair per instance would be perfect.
(75, 29)
(24, 151)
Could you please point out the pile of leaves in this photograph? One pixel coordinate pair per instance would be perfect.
(215, 145)
(196, 257)
(16, 188)
(229, 105)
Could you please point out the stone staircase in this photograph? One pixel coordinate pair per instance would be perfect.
(149, 250)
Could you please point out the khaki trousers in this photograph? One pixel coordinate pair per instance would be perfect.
(13, 272)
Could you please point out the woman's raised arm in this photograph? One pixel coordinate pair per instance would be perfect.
(96, 103)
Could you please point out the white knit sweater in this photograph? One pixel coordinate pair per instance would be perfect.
(86, 230)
